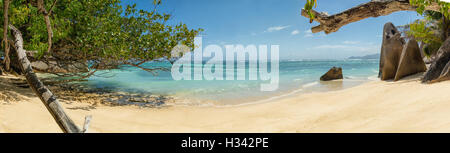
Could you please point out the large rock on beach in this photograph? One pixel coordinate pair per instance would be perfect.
(445, 75)
(391, 51)
(411, 61)
(332, 74)
(438, 70)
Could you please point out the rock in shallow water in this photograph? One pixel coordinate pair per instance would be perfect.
(332, 74)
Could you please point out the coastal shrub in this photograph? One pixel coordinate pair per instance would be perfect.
(98, 34)
(433, 30)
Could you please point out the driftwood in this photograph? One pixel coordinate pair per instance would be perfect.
(46, 96)
(374, 8)
(87, 121)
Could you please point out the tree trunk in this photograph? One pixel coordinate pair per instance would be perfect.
(41, 8)
(46, 96)
(446, 28)
(1, 69)
(5, 33)
(374, 8)
(438, 65)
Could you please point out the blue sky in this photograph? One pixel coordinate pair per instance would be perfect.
(278, 22)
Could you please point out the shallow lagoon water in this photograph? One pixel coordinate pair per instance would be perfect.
(295, 77)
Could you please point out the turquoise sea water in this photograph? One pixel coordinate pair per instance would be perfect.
(295, 77)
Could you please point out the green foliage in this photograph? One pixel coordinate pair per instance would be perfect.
(421, 4)
(308, 7)
(100, 32)
(424, 31)
(434, 28)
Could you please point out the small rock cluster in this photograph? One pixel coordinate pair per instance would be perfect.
(74, 92)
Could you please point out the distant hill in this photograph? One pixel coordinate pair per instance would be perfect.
(371, 56)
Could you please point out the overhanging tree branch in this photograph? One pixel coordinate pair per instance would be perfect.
(151, 70)
(374, 8)
(81, 78)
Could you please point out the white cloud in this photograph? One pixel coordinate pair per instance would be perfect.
(308, 33)
(350, 42)
(295, 32)
(360, 47)
(277, 28)
(335, 47)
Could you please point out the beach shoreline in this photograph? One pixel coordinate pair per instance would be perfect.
(375, 106)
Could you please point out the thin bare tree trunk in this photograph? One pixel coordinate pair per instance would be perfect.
(48, 23)
(5, 33)
(46, 96)
(446, 28)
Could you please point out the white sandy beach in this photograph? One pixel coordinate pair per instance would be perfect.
(377, 106)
